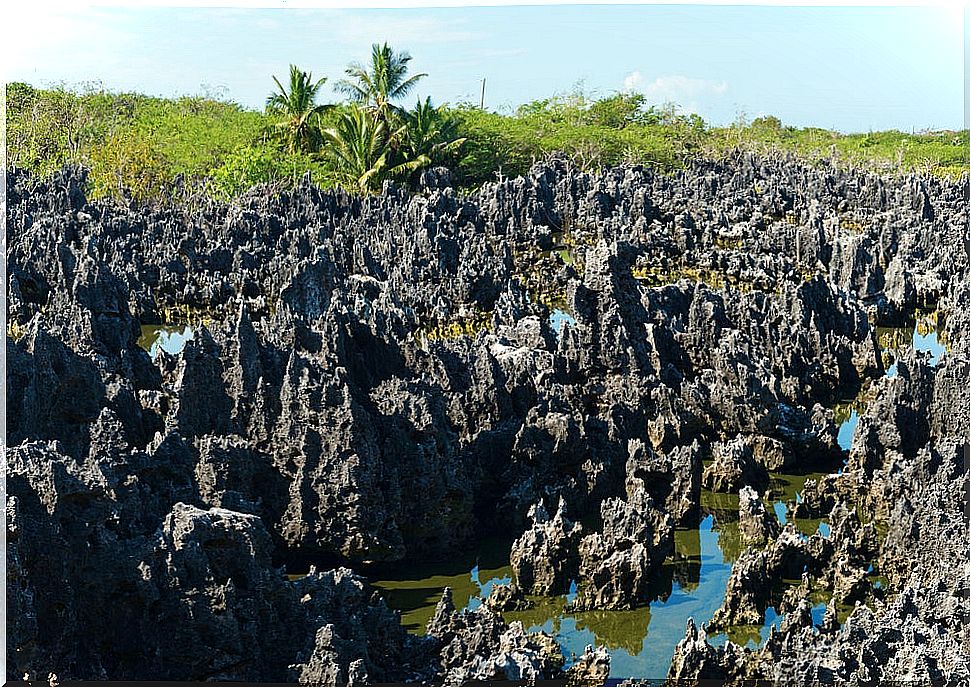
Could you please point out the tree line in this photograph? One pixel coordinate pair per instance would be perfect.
(140, 148)
(371, 138)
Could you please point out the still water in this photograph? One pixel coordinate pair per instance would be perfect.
(691, 584)
(558, 318)
(923, 336)
(171, 339)
(641, 642)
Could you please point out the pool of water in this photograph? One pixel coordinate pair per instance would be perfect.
(641, 642)
(929, 341)
(691, 584)
(171, 339)
(416, 589)
(560, 317)
(787, 488)
(923, 336)
(847, 430)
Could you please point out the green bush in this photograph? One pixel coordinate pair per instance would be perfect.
(46, 129)
(621, 110)
(195, 134)
(946, 153)
(594, 133)
(116, 134)
(128, 166)
(495, 144)
(243, 169)
(135, 144)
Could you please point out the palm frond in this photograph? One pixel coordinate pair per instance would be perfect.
(297, 108)
(404, 87)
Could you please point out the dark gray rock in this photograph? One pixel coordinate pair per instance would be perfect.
(377, 379)
(479, 645)
(545, 559)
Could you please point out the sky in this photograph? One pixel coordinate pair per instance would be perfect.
(847, 68)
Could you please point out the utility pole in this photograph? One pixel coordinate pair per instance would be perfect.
(483, 94)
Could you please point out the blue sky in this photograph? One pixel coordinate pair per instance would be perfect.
(853, 69)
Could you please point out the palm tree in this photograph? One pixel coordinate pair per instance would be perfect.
(431, 133)
(385, 81)
(361, 151)
(297, 109)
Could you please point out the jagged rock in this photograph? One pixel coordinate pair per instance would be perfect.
(672, 479)
(377, 379)
(695, 659)
(507, 597)
(545, 559)
(616, 563)
(734, 467)
(755, 577)
(479, 645)
(757, 524)
(591, 669)
(357, 638)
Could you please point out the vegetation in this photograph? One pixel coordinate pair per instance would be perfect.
(945, 153)
(385, 81)
(431, 133)
(595, 133)
(297, 111)
(361, 154)
(369, 144)
(136, 145)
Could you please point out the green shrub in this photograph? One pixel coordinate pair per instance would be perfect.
(494, 144)
(190, 136)
(135, 144)
(243, 169)
(48, 128)
(594, 133)
(128, 166)
(621, 110)
(946, 153)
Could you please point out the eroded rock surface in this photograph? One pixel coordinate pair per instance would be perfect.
(545, 559)
(378, 380)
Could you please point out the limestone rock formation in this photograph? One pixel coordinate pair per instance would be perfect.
(387, 379)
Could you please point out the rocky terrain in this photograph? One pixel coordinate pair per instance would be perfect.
(378, 380)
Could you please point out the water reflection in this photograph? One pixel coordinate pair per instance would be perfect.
(929, 341)
(619, 631)
(691, 584)
(786, 489)
(925, 335)
(560, 317)
(751, 636)
(685, 564)
(415, 588)
(641, 641)
(668, 617)
(847, 430)
(171, 339)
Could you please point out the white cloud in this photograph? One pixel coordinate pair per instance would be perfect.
(632, 81)
(690, 94)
